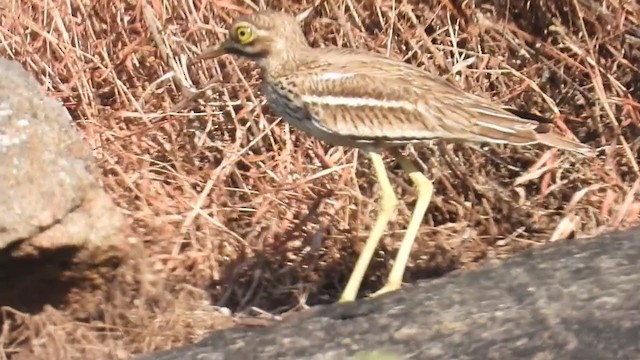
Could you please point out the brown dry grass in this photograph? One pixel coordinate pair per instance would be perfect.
(231, 208)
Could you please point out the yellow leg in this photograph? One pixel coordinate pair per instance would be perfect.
(424, 188)
(388, 203)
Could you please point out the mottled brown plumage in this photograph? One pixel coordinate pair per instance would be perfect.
(361, 99)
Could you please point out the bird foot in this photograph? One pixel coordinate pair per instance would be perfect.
(389, 287)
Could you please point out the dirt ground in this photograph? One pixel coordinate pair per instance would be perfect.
(236, 217)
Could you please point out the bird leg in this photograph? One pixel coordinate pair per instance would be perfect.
(424, 188)
(388, 203)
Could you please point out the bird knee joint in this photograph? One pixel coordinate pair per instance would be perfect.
(422, 184)
(389, 202)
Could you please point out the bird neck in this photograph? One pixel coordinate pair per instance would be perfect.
(284, 60)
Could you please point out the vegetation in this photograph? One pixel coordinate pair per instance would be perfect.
(236, 217)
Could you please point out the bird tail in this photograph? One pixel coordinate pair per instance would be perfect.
(555, 140)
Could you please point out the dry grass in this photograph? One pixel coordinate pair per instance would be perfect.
(233, 208)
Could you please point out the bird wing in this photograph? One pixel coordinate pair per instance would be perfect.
(371, 97)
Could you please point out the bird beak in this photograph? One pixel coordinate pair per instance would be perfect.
(212, 52)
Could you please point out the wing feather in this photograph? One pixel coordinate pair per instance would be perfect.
(349, 94)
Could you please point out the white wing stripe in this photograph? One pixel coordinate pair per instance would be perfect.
(357, 101)
(495, 127)
(334, 76)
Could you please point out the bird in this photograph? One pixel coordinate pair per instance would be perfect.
(360, 99)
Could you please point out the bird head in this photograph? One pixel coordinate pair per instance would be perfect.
(259, 36)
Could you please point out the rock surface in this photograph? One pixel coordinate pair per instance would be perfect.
(51, 205)
(572, 300)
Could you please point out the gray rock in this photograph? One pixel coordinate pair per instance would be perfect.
(49, 197)
(577, 299)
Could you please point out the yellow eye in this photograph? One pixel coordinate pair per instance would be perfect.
(244, 34)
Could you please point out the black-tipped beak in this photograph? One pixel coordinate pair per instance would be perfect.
(212, 52)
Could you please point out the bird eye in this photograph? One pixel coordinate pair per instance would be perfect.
(244, 34)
